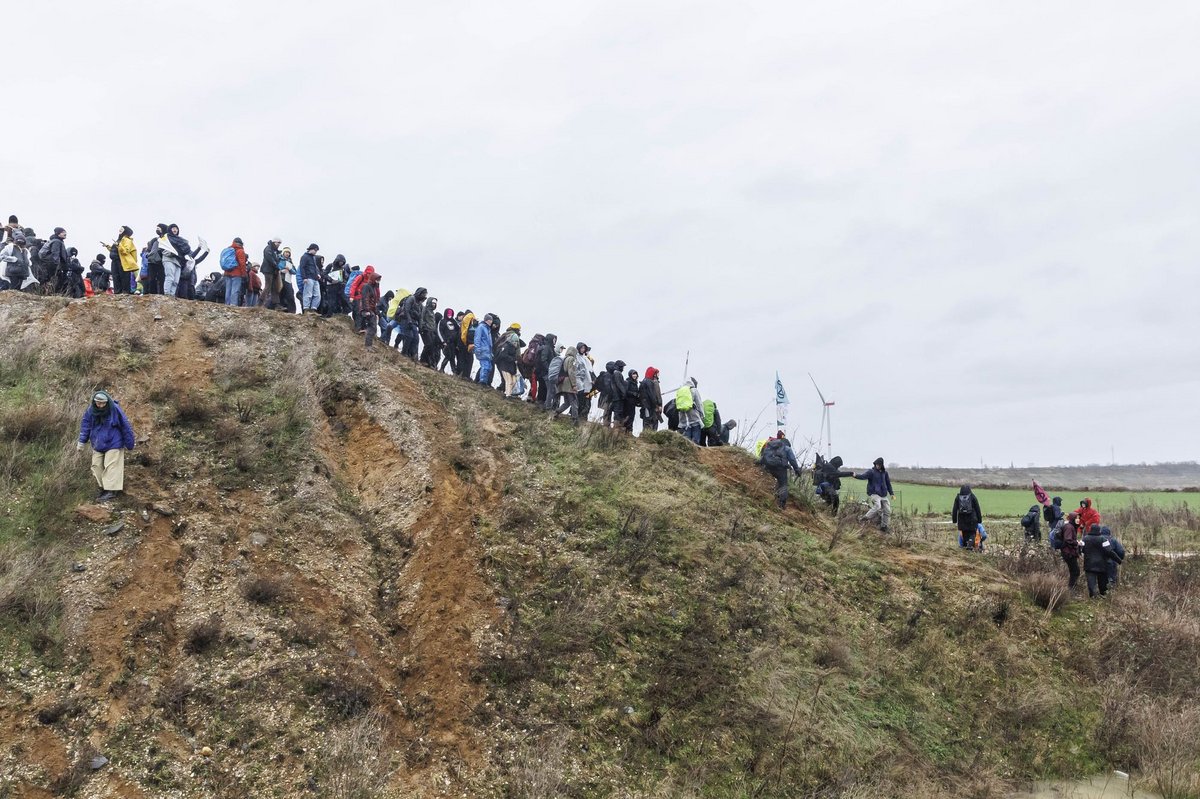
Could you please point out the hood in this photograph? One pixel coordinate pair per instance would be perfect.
(108, 405)
(572, 351)
(1033, 508)
(961, 491)
(551, 339)
(1057, 501)
(449, 313)
(1105, 531)
(370, 270)
(1072, 517)
(836, 461)
(1087, 502)
(127, 231)
(608, 367)
(651, 373)
(421, 294)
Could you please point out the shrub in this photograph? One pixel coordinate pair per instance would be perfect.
(36, 421)
(1048, 591)
(263, 590)
(1167, 741)
(204, 635)
(356, 761)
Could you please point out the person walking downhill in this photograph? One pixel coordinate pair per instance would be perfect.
(879, 493)
(106, 428)
(368, 304)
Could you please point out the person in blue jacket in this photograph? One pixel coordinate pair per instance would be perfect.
(484, 351)
(106, 428)
(879, 493)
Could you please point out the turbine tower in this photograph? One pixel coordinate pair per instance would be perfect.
(826, 429)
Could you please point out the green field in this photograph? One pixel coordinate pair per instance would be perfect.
(1003, 502)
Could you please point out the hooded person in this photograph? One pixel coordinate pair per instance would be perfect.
(174, 250)
(650, 400)
(408, 316)
(356, 286)
(125, 264)
(271, 274)
(72, 278)
(1052, 514)
(1098, 555)
(1114, 565)
(1031, 523)
(508, 350)
(332, 300)
(690, 407)
(106, 428)
(431, 342)
(827, 476)
(574, 381)
(966, 515)
(545, 354)
(98, 275)
(17, 265)
(1088, 515)
(448, 333)
(466, 343)
(368, 305)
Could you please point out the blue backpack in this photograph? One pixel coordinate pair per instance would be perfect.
(349, 283)
(228, 259)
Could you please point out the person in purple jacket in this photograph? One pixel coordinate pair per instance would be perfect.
(106, 428)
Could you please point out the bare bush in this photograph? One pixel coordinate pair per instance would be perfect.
(29, 593)
(356, 761)
(263, 590)
(1167, 740)
(36, 421)
(204, 635)
(1048, 591)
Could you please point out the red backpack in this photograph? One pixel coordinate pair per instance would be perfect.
(529, 356)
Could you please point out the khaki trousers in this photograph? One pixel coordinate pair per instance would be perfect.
(109, 469)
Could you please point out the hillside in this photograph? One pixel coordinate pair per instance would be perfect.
(337, 573)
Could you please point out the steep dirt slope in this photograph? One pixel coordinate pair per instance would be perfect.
(340, 574)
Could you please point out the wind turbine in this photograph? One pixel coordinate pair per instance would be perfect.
(825, 430)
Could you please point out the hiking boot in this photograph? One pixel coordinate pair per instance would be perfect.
(107, 496)
(883, 528)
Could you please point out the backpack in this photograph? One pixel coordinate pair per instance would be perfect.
(350, 283)
(966, 508)
(228, 259)
(1028, 520)
(529, 356)
(45, 252)
(508, 347)
(774, 455)
(683, 399)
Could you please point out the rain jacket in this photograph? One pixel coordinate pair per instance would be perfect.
(106, 431)
(1098, 551)
(129, 254)
(879, 483)
(483, 342)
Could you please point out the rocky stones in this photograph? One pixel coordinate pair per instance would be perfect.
(98, 762)
(114, 528)
(94, 513)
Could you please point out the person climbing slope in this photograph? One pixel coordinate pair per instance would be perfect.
(106, 428)
(777, 457)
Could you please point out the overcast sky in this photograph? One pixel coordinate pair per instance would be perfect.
(974, 222)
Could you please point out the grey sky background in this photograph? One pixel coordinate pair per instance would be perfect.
(974, 223)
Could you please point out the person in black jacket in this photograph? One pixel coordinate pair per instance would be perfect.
(408, 314)
(1032, 524)
(542, 367)
(632, 400)
(650, 399)
(272, 277)
(1098, 552)
(827, 475)
(431, 343)
(99, 275)
(448, 332)
(966, 515)
(56, 264)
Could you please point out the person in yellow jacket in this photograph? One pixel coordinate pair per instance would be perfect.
(466, 344)
(125, 270)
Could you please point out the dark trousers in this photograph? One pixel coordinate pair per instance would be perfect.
(466, 361)
(1072, 570)
(780, 473)
(1097, 583)
(449, 356)
(431, 350)
(155, 278)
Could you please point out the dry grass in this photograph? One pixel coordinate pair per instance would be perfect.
(36, 422)
(29, 594)
(356, 761)
(204, 635)
(1167, 736)
(537, 771)
(263, 590)
(1048, 591)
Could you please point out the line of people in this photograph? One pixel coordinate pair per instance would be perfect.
(554, 376)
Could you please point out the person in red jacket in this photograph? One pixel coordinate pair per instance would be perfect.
(1087, 515)
(235, 277)
(368, 304)
(356, 287)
